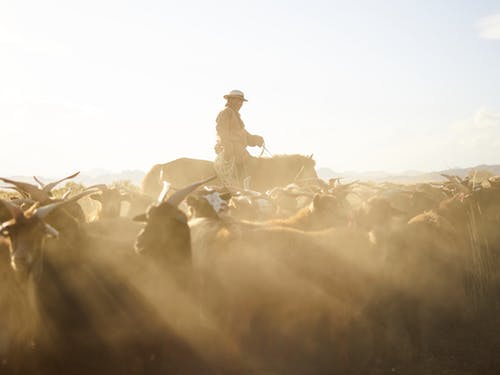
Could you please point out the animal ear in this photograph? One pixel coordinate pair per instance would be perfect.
(176, 198)
(310, 156)
(142, 218)
(226, 196)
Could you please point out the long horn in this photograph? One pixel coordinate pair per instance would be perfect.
(23, 193)
(97, 186)
(45, 210)
(66, 194)
(33, 191)
(179, 195)
(40, 183)
(164, 191)
(47, 188)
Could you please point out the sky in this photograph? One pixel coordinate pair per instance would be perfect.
(362, 85)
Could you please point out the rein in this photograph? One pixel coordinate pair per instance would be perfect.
(262, 149)
(298, 174)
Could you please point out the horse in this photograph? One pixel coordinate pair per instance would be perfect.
(265, 172)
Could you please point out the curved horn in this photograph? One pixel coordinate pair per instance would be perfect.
(66, 194)
(33, 191)
(47, 188)
(40, 183)
(179, 195)
(97, 186)
(45, 210)
(23, 194)
(164, 191)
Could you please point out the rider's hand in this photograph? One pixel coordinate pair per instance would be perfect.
(259, 141)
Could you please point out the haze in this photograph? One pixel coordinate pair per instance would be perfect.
(362, 85)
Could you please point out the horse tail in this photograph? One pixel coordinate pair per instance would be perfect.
(151, 184)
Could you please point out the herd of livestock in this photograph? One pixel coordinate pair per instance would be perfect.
(310, 277)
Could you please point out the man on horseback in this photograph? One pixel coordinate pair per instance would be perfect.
(232, 141)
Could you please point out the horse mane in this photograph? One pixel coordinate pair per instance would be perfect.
(279, 170)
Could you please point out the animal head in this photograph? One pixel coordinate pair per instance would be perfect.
(166, 234)
(165, 231)
(27, 230)
(377, 212)
(331, 210)
(111, 200)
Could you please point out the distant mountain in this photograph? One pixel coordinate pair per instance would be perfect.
(134, 176)
(406, 177)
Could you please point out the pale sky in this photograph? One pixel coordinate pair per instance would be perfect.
(362, 85)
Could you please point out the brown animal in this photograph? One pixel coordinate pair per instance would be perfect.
(166, 236)
(41, 193)
(325, 211)
(111, 202)
(80, 308)
(179, 172)
(265, 173)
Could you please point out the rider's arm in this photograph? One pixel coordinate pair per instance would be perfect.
(254, 140)
(229, 127)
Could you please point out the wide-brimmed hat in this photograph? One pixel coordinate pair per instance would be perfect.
(236, 94)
